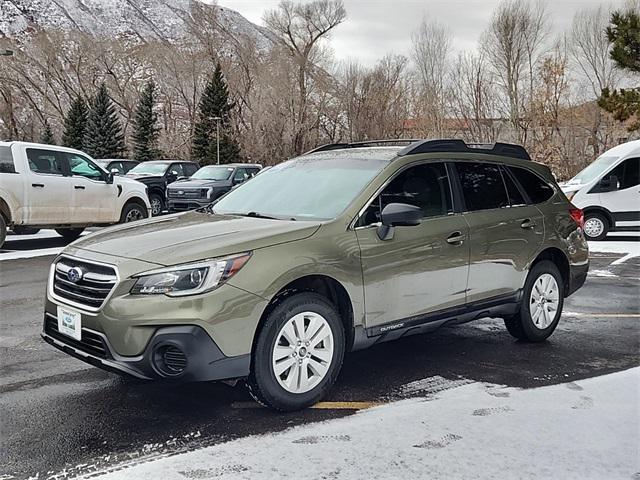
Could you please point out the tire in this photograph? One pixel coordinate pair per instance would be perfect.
(528, 324)
(312, 310)
(132, 212)
(157, 204)
(20, 230)
(596, 226)
(3, 230)
(70, 234)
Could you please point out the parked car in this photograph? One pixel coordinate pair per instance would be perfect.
(44, 186)
(156, 175)
(608, 191)
(117, 166)
(207, 184)
(336, 250)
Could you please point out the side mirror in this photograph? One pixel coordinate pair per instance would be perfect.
(398, 215)
(115, 171)
(109, 178)
(183, 178)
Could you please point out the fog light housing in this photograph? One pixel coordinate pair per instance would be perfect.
(169, 360)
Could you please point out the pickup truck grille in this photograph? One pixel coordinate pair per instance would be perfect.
(91, 289)
(186, 193)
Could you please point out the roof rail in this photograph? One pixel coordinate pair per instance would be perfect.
(363, 144)
(457, 145)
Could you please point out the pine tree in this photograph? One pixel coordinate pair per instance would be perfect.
(624, 36)
(214, 103)
(46, 136)
(75, 124)
(103, 136)
(145, 129)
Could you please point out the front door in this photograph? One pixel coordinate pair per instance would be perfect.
(505, 230)
(417, 271)
(624, 200)
(94, 200)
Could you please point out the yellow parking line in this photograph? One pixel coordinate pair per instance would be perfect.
(318, 406)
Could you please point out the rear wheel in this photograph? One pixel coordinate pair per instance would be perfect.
(541, 304)
(298, 353)
(70, 233)
(3, 230)
(132, 212)
(596, 226)
(157, 204)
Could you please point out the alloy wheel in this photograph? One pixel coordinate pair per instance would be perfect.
(544, 301)
(303, 352)
(156, 206)
(133, 215)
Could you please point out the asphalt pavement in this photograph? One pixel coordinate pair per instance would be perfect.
(61, 417)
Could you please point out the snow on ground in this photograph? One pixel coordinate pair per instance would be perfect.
(630, 248)
(584, 430)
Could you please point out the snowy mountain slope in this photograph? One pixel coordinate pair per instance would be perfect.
(142, 19)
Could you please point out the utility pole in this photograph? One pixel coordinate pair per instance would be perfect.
(217, 119)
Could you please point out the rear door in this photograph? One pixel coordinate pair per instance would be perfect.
(505, 230)
(624, 201)
(417, 271)
(48, 193)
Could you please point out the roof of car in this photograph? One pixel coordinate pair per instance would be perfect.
(361, 153)
(238, 164)
(624, 149)
(171, 161)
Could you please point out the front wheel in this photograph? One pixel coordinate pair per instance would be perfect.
(596, 226)
(298, 354)
(132, 212)
(70, 234)
(541, 304)
(157, 204)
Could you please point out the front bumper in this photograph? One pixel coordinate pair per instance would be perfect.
(185, 204)
(197, 355)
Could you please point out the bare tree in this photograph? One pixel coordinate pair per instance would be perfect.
(431, 44)
(301, 27)
(513, 44)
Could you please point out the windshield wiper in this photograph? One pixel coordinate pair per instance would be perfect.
(256, 215)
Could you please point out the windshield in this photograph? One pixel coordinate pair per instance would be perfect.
(304, 188)
(593, 171)
(150, 168)
(213, 173)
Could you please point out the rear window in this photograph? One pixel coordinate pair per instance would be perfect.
(6, 161)
(537, 189)
(482, 186)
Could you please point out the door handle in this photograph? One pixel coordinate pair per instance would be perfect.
(38, 185)
(79, 187)
(456, 238)
(528, 223)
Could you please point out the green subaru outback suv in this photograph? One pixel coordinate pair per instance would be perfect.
(339, 249)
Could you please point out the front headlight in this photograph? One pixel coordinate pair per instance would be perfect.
(190, 278)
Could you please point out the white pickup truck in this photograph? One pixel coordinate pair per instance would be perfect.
(46, 186)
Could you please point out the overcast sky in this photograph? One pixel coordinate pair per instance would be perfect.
(376, 27)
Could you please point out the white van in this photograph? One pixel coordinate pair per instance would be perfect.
(46, 186)
(608, 191)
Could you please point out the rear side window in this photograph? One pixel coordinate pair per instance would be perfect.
(482, 186)
(537, 189)
(6, 161)
(190, 169)
(44, 161)
(515, 197)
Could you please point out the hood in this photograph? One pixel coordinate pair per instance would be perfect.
(196, 183)
(142, 176)
(193, 236)
(568, 187)
(120, 179)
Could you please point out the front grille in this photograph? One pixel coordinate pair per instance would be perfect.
(91, 289)
(90, 342)
(192, 193)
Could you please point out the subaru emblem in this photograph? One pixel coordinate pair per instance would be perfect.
(75, 274)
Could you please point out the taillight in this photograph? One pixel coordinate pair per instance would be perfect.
(578, 216)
